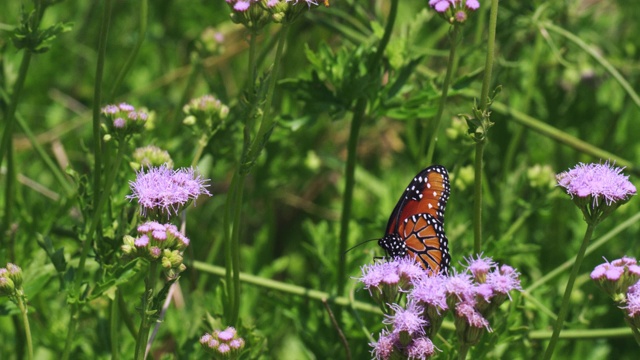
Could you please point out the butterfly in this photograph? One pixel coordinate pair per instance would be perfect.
(416, 225)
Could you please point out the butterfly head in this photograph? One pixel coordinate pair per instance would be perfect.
(393, 245)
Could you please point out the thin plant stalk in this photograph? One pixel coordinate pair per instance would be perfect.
(267, 122)
(356, 123)
(142, 31)
(562, 268)
(145, 325)
(564, 307)
(234, 198)
(454, 38)
(634, 330)
(114, 327)
(172, 289)
(25, 322)
(347, 197)
(235, 253)
(597, 55)
(463, 351)
(202, 143)
(484, 101)
(226, 217)
(6, 146)
(97, 175)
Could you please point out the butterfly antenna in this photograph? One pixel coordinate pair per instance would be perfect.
(362, 243)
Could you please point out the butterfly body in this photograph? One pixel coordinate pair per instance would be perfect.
(416, 225)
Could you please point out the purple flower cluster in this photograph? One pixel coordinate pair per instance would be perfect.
(620, 279)
(598, 182)
(10, 280)
(150, 155)
(472, 295)
(158, 242)
(225, 343)
(454, 10)
(241, 5)
(385, 280)
(632, 307)
(615, 277)
(207, 112)
(165, 191)
(124, 120)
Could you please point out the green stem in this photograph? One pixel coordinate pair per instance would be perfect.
(634, 330)
(144, 10)
(6, 146)
(581, 334)
(559, 135)
(488, 65)
(145, 324)
(228, 252)
(267, 122)
(480, 143)
(454, 38)
(235, 250)
(97, 100)
(356, 123)
(97, 175)
(191, 80)
(477, 198)
(25, 321)
(95, 220)
(347, 197)
(114, 326)
(288, 288)
(598, 57)
(566, 299)
(87, 245)
(50, 164)
(463, 351)
(596, 244)
(382, 46)
(202, 143)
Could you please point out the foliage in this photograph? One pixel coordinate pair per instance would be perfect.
(559, 103)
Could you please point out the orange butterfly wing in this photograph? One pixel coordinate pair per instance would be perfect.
(416, 225)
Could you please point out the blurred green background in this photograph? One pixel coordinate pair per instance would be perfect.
(293, 196)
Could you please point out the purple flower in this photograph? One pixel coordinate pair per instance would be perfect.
(126, 107)
(467, 311)
(460, 286)
(430, 292)
(633, 301)
(421, 348)
(236, 343)
(224, 348)
(624, 261)
(504, 281)
(485, 291)
(118, 123)
(598, 181)
(240, 5)
(443, 5)
(123, 120)
(204, 339)
(227, 334)
(440, 5)
(166, 191)
(480, 267)
(473, 4)
(223, 342)
(407, 320)
(142, 241)
(383, 348)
